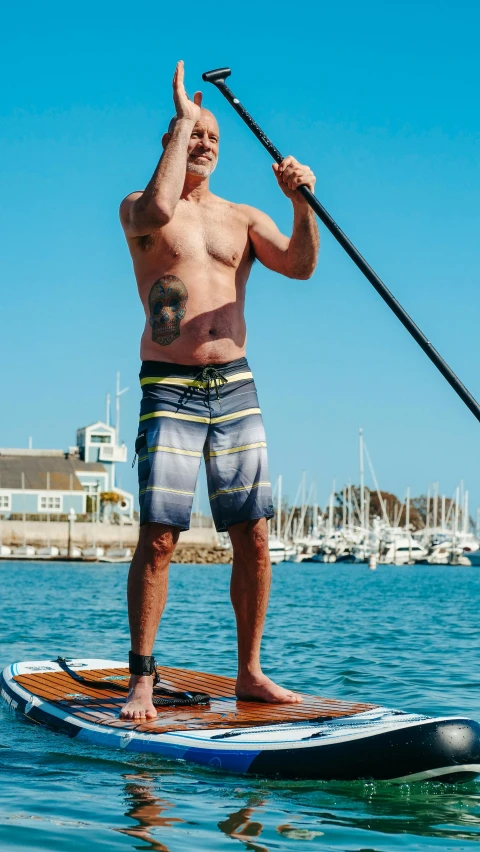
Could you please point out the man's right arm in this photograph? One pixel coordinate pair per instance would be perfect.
(144, 212)
(141, 213)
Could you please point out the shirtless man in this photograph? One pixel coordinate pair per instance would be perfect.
(192, 254)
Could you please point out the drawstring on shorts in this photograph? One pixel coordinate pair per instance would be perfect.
(210, 375)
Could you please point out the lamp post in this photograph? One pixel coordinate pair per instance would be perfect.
(71, 520)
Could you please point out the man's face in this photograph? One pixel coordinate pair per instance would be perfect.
(202, 152)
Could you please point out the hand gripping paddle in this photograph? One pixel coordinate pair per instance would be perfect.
(218, 77)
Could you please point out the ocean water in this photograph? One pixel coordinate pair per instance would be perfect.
(405, 637)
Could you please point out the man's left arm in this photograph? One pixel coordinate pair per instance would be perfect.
(295, 257)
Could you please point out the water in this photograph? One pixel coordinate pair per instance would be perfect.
(406, 637)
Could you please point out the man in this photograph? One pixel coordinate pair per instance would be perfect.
(192, 254)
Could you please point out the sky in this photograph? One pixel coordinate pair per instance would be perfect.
(381, 100)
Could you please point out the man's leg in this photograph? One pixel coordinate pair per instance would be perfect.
(250, 590)
(147, 596)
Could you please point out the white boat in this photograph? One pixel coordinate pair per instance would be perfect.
(468, 542)
(292, 554)
(335, 547)
(49, 552)
(5, 550)
(324, 557)
(117, 554)
(402, 550)
(304, 548)
(25, 551)
(447, 553)
(93, 552)
(276, 549)
(75, 554)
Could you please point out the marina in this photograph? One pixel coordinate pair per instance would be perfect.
(367, 525)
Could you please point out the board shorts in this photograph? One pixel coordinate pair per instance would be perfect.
(189, 411)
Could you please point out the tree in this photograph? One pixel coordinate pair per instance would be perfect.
(109, 499)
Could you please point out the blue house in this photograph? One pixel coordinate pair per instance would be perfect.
(42, 482)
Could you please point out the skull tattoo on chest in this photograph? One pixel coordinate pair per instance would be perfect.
(167, 302)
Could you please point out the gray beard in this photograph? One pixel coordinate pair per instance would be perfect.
(197, 169)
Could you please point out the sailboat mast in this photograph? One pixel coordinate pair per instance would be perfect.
(362, 480)
(435, 505)
(279, 508)
(300, 529)
(455, 522)
(48, 510)
(330, 509)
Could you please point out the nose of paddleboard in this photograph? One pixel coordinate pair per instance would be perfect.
(445, 749)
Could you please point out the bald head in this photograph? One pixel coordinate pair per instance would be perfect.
(206, 115)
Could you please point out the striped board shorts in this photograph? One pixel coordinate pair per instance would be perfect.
(189, 411)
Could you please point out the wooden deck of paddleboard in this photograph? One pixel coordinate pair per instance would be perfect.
(101, 706)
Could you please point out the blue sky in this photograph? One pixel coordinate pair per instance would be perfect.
(379, 99)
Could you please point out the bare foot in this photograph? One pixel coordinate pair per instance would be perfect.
(261, 688)
(139, 704)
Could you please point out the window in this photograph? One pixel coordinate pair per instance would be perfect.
(91, 487)
(5, 502)
(50, 503)
(101, 439)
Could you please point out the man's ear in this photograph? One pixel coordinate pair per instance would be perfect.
(165, 139)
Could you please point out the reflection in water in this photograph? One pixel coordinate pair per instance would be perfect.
(424, 810)
(240, 826)
(145, 807)
(416, 810)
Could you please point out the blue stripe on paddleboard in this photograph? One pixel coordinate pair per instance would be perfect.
(130, 743)
(231, 761)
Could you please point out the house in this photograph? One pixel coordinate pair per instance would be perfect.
(42, 482)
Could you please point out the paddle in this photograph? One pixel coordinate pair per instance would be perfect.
(217, 77)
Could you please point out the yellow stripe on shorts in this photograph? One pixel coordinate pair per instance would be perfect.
(241, 488)
(175, 415)
(236, 449)
(168, 490)
(192, 383)
(160, 449)
(235, 415)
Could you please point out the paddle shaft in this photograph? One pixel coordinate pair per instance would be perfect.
(217, 78)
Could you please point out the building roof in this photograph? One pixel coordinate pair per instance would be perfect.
(85, 467)
(96, 425)
(63, 472)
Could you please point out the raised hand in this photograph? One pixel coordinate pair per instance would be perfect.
(184, 106)
(290, 175)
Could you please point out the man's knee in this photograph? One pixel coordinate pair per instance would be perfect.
(158, 542)
(250, 538)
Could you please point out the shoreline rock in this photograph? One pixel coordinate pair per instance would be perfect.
(187, 554)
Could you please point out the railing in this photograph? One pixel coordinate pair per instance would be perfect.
(111, 453)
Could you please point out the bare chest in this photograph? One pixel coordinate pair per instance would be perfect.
(202, 235)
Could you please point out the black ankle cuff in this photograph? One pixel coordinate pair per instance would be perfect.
(138, 664)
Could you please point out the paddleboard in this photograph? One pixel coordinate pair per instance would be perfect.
(322, 738)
